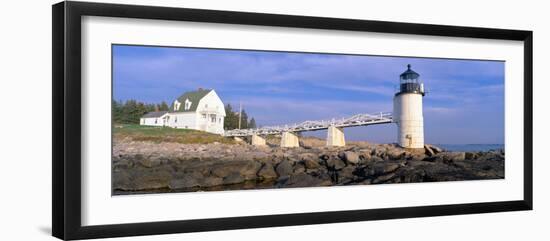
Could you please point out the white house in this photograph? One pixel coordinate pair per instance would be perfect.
(157, 118)
(199, 110)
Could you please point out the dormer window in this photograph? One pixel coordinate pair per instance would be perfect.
(188, 104)
(176, 105)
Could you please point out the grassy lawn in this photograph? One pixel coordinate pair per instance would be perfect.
(166, 134)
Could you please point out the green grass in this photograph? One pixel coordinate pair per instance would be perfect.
(166, 134)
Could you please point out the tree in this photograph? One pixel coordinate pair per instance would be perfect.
(150, 107)
(231, 119)
(131, 111)
(117, 111)
(252, 123)
(163, 106)
(244, 120)
(128, 110)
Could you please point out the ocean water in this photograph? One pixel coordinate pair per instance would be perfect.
(471, 147)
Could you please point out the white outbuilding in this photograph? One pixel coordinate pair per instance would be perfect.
(157, 118)
(198, 110)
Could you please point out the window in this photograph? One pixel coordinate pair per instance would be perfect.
(176, 105)
(213, 118)
(204, 116)
(206, 106)
(156, 121)
(175, 119)
(188, 104)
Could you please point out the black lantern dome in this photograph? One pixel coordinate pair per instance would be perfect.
(409, 74)
(409, 82)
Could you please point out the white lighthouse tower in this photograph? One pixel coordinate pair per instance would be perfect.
(407, 110)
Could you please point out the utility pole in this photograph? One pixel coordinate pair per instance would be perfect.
(240, 113)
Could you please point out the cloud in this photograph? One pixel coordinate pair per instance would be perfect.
(378, 89)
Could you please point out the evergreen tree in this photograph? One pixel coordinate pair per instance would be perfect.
(132, 111)
(230, 121)
(150, 107)
(252, 123)
(117, 111)
(244, 120)
(127, 111)
(163, 106)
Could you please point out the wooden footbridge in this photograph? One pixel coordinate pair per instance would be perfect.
(335, 135)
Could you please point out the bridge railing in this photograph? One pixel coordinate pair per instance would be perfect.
(356, 120)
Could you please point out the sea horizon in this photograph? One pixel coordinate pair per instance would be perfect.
(471, 147)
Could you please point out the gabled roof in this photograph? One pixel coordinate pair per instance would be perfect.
(154, 114)
(194, 97)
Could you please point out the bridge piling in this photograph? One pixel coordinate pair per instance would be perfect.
(289, 139)
(257, 140)
(335, 136)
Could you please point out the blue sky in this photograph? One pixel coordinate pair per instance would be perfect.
(465, 103)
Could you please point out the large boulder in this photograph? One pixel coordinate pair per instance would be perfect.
(410, 174)
(376, 159)
(149, 178)
(146, 161)
(307, 156)
(121, 163)
(311, 164)
(305, 180)
(309, 160)
(429, 150)
(470, 155)
(432, 150)
(492, 155)
(122, 180)
(233, 178)
(299, 167)
(380, 168)
(197, 166)
(246, 169)
(451, 156)
(335, 163)
(210, 181)
(364, 155)
(284, 168)
(184, 182)
(351, 157)
(396, 153)
(260, 156)
(379, 151)
(267, 172)
(383, 178)
(347, 174)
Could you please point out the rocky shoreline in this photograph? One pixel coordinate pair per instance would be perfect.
(148, 167)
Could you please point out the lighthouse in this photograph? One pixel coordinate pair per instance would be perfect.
(407, 110)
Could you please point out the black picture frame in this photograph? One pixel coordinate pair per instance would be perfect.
(66, 122)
